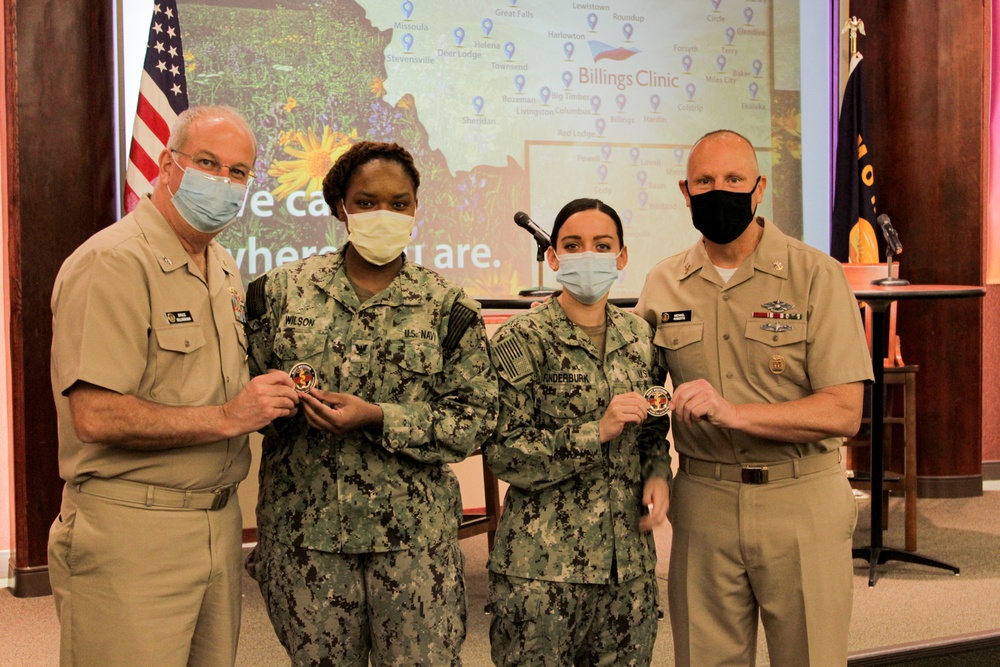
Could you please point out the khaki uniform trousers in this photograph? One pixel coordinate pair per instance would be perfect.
(780, 551)
(145, 586)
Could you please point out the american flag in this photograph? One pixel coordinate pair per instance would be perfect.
(162, 97)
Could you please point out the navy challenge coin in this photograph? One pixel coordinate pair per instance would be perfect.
(659, 401)
(304, 377)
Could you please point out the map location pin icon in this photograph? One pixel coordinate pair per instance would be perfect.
(720, 60)
(753, 88)
(678, 154)
(519, 82)
(627, 216)
(592, 20)
(643, 198)
(686, 62)
(477, 103)
(459, 35)
(567, 79)
(620, 100)
(654, 101)
(568, 50)
(640, 177)
(730, 34)
(545, 93)
(407, 41)
(487, 25)
(508, 48)
(605, 151)
(407, 8)
(748, 14)
(602, 173)
(633, 154)
(627, 31)
(599, 125)
(757, 66)
(690, 89)
(595, 103)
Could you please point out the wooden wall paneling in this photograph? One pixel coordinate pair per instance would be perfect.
(925, 67)
(64, 180)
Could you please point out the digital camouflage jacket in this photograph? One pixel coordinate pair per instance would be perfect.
(573, 505)
(419, 350)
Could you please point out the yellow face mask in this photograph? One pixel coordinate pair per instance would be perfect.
(379, 236)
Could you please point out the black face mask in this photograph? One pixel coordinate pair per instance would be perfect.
(721, 216)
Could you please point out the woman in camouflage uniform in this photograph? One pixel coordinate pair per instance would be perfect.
(358, 514)
(572, 572)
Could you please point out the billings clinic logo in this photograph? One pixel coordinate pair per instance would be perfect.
(602, 51)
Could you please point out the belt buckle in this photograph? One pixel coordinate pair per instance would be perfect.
(754, 475)
(221, 498)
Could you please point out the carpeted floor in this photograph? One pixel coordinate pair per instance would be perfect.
(909, 603)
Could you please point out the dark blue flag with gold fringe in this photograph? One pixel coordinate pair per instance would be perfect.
(852, 226)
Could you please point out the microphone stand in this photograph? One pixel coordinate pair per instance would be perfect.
(540, 290)
(889, 281)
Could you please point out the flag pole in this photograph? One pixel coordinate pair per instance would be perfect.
(853, 26)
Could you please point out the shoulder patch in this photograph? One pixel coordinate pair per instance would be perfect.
(513, 358)
(461, 318)
(256, 302)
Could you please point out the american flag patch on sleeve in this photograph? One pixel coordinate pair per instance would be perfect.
(513, 359)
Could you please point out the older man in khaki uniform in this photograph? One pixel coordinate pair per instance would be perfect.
(154, 402)
(764, 344)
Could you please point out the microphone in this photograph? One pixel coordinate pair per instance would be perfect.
(543, 240)
(891, 238)
(892, 247)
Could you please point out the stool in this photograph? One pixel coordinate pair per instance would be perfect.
(477, 523)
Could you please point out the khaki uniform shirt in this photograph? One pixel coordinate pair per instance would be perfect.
(572, 510)
(131, 313)
(706, 329)
(371, 491)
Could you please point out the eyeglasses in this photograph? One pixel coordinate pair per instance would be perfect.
(237, 174)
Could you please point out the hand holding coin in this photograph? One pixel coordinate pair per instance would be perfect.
(304, 377)
(659, 401)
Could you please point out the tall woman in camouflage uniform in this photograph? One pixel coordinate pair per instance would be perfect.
(358, 513)
(572, 573)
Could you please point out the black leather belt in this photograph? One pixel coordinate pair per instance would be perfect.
(752, 473)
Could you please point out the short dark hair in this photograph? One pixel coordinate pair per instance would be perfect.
(586, 204)
(338, 179)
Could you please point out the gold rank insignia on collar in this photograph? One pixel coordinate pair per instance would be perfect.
(167, 260)
(778, 266)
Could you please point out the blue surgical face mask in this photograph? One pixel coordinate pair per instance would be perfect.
(588, 276)
(209, 203)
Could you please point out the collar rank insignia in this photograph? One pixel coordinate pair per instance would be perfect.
(777, 306)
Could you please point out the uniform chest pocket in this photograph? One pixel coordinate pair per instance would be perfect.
(179, 380)
(683, 348)
(776, 357)
(295, 345)
(406, 369)
(569, 401)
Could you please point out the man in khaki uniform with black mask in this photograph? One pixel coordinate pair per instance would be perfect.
(154, 403)
(765, 348)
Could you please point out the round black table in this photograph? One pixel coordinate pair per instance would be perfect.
(880, 298)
